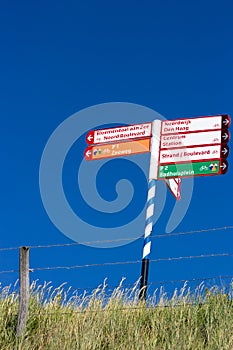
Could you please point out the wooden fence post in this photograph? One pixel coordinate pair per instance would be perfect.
(24, 290)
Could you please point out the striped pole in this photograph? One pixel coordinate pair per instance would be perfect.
(147, 239)
(149, 216)
(154, 148)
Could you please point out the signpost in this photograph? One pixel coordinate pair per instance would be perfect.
(179, 148)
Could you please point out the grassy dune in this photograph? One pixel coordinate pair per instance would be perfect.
(60, 321)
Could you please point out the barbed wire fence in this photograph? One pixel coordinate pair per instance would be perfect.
(25, 269)
(157, 236)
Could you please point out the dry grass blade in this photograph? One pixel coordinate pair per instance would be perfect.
(62, 319)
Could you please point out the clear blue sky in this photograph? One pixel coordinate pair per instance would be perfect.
(59, 57)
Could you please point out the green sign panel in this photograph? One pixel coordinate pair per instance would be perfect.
(189, 169)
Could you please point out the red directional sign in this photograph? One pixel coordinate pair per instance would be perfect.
(178, 155)
(120, 149)
(121, 133)
(194, 139)
(195, 124)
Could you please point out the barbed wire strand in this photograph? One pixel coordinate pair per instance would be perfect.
(127, 308)
(8, 271)
(128, 285)
(195, 279)
(183, 233)
(170, 302)
(135, 308)
(131, 262)
(106, 310)
(113, 263)
(32, 269)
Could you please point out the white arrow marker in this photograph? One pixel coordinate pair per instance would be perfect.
(224, 151)
(90, 137)
(226, 121)
(225, 136)
(223, 166)
(88, 153)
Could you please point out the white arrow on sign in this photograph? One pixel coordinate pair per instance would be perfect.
(226, 122)
(90, 138)
(190, 154)
(223, 166)
(224, 151)
(88, 153)
(225, 136)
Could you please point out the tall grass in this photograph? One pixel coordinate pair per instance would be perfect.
(61, 320)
